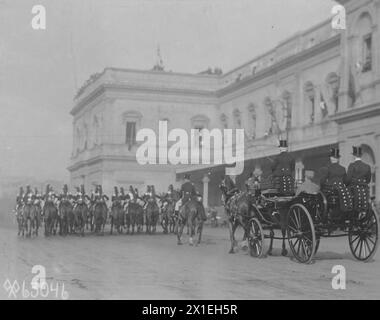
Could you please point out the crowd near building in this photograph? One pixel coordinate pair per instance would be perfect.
(318, 89)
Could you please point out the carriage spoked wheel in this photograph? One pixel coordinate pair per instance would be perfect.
(363, 236)
(256, 239)
(301, 233)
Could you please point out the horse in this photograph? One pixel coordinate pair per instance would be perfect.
(20, 220)
(65, 210)
(190, 215)
(152, 213)
(30, 222)
(80, 212)
(165, 217)
(50, 213)
(100, 216)
(135, 217)
(237, 209)
(117, 217)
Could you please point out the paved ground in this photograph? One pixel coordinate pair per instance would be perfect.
(155, 267)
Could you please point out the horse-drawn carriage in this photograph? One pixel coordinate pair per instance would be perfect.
(305, 219)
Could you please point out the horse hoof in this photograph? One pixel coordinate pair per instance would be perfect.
(179, 243)
(231, 251)
(284, 252)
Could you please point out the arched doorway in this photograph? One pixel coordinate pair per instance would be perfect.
(369, 158)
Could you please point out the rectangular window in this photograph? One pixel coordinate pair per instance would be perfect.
(131, 133)
(367, 53)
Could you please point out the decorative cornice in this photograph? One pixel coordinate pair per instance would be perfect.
(357, 113)
(281, 65)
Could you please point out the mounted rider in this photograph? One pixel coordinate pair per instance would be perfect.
(20, 198)
(188, 192)
(64, 197)
(28, 197)
(37, 197)
(80, 196)
(332, 182)
(99, 197)
(116, 198)
(358, 179)
(282, 170)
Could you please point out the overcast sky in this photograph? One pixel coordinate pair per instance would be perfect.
(40, 71)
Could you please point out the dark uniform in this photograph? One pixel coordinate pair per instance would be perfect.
(332, 181)
(282, 171)
(357, 180)
(188, 192)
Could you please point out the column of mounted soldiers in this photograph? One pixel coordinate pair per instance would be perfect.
(70, 211)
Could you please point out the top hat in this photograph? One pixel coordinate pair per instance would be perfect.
(334, 152)
(116, 190)
(65, 188)
(283, 144)
(122, 191)
(357, 151)
(47, 188)
(82, 188)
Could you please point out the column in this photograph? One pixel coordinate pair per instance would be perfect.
(205, 181)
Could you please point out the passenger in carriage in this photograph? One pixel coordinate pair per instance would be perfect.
(358, 179)
(333, 178)
(308, 186)
(282, 171)
(253, 185)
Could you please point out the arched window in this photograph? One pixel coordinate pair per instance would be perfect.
(224, 120)
(237, 118)
(364, 43)
(310, 99)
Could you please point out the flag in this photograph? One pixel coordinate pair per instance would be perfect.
(323, 106)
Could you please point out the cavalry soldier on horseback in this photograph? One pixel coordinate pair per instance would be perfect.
(100, 197)
(20, 198)
(333, 178)
(282, 170)
(116, 198)
(358, 179)
(187, 193)
(28, 196)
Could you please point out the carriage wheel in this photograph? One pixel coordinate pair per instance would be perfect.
(363, 237)
(301, 233)
(256, 239)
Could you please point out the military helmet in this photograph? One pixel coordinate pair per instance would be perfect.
(116, 190)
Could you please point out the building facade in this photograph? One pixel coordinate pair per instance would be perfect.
(318, 89)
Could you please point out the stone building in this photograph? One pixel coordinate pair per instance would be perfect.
(318, 89)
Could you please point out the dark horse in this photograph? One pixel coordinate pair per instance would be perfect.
(50, 213)
(30, 220)
(152, 213)
(100, 216)
(190, 215)
(117, 217)
(80, 217)
(237, 209)
(66, 217)
(135, 217)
